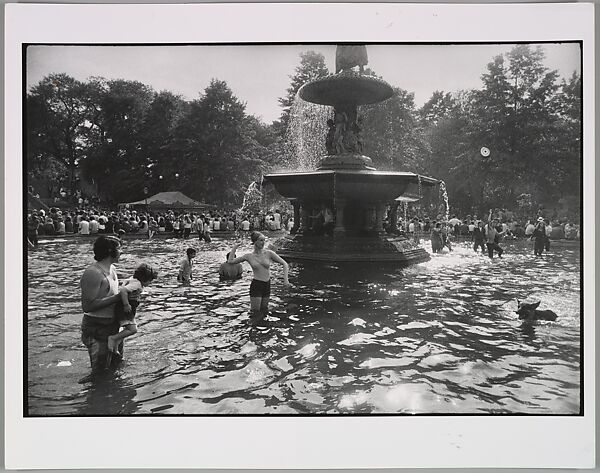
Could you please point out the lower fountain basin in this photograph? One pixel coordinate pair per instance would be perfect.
(396, 250)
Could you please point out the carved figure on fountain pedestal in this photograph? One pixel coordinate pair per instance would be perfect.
(352, 141)
(330, 138)
(341, 122)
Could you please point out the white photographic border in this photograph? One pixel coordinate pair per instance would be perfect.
(288, 442)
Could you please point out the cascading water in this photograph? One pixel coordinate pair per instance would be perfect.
(305, 135)
(252, 202)
(444, 196)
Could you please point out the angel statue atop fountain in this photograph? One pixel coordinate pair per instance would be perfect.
(349, 56)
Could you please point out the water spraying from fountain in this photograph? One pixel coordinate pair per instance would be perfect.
(444, 196)
(252, 202)
(305, 135)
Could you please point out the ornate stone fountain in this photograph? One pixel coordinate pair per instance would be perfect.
(340, 207)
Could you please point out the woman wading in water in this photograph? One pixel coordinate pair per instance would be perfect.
(260, 262)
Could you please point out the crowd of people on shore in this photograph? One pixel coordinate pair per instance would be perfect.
(487, 232)
(180, 224)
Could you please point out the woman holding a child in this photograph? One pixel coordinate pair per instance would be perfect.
(99, 294)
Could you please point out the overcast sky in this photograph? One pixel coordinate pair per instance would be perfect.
(259, 75)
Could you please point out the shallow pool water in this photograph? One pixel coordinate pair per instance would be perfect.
(438, 337)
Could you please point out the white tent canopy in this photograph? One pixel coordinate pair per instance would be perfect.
(171, 200)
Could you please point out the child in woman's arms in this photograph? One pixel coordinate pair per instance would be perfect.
(125, 309)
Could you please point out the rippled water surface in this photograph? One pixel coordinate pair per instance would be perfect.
(439, 337)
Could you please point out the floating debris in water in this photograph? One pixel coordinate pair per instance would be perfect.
(64, 363)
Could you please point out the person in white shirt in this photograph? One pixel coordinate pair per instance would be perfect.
(276, 220)
(102, 223)
(548, 233)
(93, 226)
(206, 231)
(529, 229)
(84, 226)
(245, 225)
(61, 228)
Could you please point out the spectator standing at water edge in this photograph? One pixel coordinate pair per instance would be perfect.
(187, 227)
(548, 233)
(32, 229)
(260, 262)
(99, 294)
(492, 235)
(529, 228)
(437, 242)
(539, 237)
(479, 237)
(276, 220)
(185, 267)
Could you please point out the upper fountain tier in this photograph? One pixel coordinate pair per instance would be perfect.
(346, 88)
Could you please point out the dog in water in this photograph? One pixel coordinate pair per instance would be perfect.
(528, 311)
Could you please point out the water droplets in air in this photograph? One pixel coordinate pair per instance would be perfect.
(252, 198)
(444, 196)
(305, 135)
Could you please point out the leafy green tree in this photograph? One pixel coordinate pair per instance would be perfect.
(216, 146)
(436, 108)
(156, 136)
(391, 135)
(567, 140)
(57, 115)
(515, 116)
(118, 161)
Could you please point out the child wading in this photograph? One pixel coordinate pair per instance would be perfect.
(125, 309)
(185, 267)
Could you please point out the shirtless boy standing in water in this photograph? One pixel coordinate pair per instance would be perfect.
(260, 262)
(99, 293)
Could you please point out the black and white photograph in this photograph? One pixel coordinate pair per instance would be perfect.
(367, 230)
(308, 229)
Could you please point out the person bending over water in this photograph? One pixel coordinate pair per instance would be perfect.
(260, 262)
(99, 294)
(125, 309)
(230, 272)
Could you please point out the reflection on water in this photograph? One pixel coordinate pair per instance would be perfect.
(439, 337)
